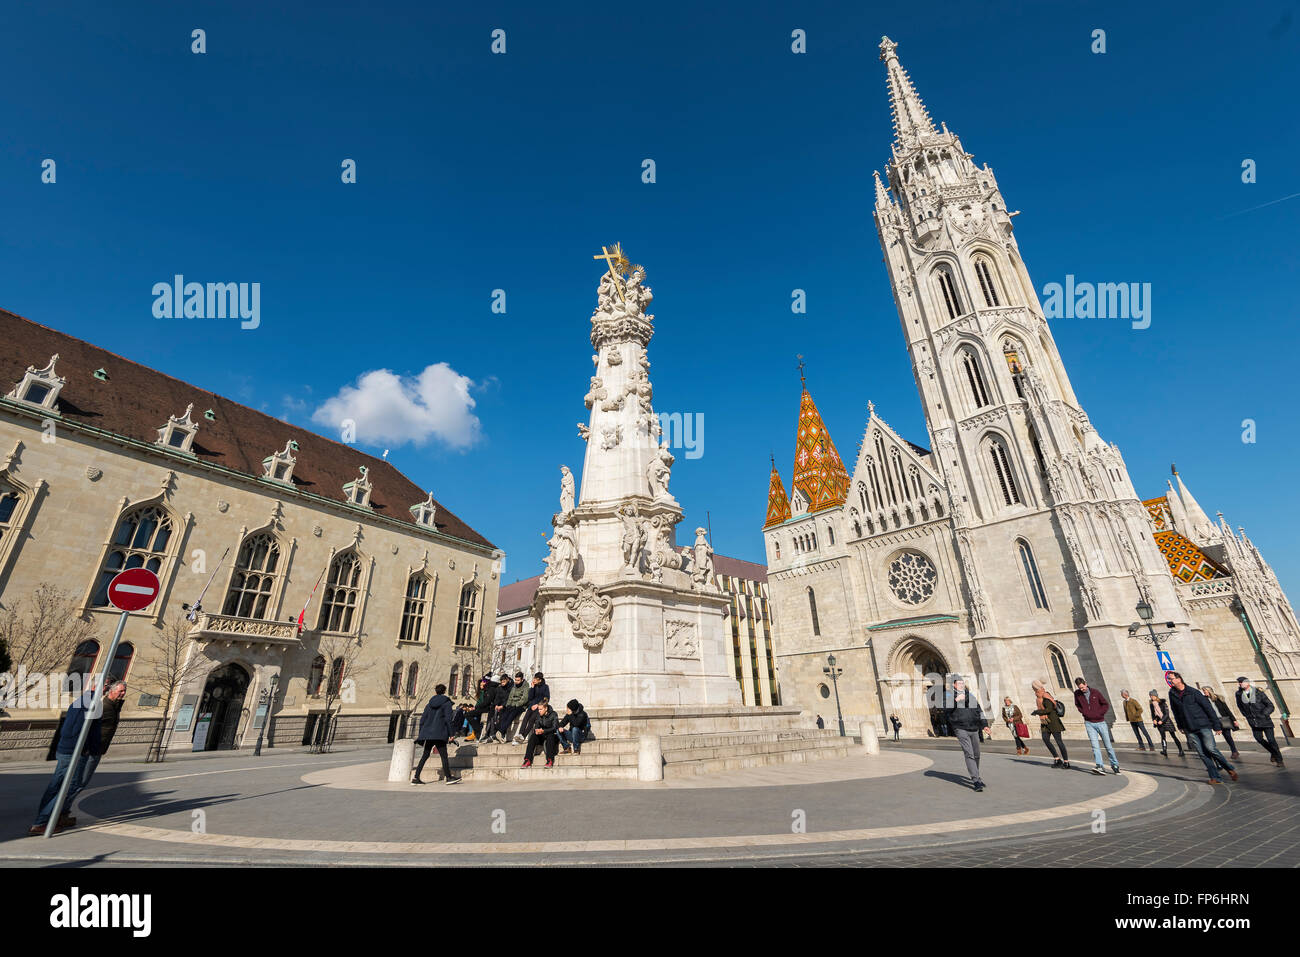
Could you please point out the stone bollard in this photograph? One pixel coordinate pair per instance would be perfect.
(650, 758)
(399, 768)
(870, 742)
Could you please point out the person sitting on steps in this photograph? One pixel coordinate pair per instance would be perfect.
(573, 727)
(544, 734)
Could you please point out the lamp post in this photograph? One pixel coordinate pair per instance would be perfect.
(267, 697)
(1240, 610)
(834, 674)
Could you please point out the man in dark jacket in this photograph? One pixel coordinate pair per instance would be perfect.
(573, 727)
(966, 718)
(516, 702)
(1093, 707)
(113, 702)
(72, 724)
(437, 724)
(500, 695)
(543, 735)
(482, 705)
(1197, 718)
(1257, 709)
(536, 693)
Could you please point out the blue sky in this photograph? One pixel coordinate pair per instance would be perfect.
(478, 172)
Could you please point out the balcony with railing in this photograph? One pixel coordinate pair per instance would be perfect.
(254, 631)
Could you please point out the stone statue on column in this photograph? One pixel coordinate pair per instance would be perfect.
(702, 564)
(566, 490)
(634, 537)
(657, 475)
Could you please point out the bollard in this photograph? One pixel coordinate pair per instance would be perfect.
(399, 768)
(650, 758)
(870, 742)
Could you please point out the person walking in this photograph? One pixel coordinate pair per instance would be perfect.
(1256, 709)
(113, 702)
(437, 725)
(893, 720)
(1133, 714)
(542, 735)
(966, 718)
(1093, 707)
(1226, 718)
(1197, 719)
(73, 721)
(1050, 711)
(1163, 722)
(1015, 720)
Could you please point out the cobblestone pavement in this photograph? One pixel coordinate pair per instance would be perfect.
(908, 807)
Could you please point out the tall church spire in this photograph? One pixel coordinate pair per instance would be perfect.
(819, 473)
(1200, 529)
(911, 119)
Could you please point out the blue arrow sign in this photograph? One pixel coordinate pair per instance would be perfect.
(1166, 663)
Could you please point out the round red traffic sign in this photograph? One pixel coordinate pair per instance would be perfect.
(1169, 678)
(134, 589)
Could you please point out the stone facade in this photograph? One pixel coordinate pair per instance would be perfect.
(99, 477)
(1017, 549)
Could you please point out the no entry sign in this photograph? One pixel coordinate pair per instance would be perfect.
(134, 589)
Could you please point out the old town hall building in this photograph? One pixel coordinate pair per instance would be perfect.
(106, 464)
(1017, 546)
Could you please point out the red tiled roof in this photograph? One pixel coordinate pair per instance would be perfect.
(739, 568)
(137, 401)
(518, 595)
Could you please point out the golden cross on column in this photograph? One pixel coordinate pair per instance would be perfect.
(802, 380)
(612, 257)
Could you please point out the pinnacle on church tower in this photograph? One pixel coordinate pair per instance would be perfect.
(1199, 527)
(778, 503)
(911, 119)
(819, 472)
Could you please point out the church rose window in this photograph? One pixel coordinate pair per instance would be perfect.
(912, 577)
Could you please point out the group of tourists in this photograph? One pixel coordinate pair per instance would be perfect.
(501, 702)
(1199, 714)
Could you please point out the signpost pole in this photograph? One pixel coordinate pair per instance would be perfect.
(92, 712)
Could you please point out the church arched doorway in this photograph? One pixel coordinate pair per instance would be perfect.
(222, 705)
(918, 673)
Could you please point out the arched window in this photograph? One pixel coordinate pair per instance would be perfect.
(412, 679)
(395, 682)
(830, 533)
(140, 541)
(8, 508)
(253, 582)
(83, 662)
(812, 608)
(316, 676)
(451, 682)
(122, 661)
(776, 544)
(1002, 471)
(465, 619)
(336, 676)
(414, 608)
(465, 683)
(948, 291)
(989, 289)
(969, 364)
(1031, 574)
(342, 591)
(1059, 669)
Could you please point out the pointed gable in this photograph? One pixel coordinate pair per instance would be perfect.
(778, 506)
(818, 471)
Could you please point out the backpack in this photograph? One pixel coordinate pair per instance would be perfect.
(1060, 709)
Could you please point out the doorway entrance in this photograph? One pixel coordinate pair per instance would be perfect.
(917, 668)
(223, 699)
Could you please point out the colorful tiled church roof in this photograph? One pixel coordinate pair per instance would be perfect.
(1187, 563)
(778, 505)
(819, 472)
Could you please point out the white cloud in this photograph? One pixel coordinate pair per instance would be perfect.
(393, 410)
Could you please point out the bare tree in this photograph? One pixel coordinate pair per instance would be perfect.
(411, 696)
(342, 667)
(40, 636)
(172, 665)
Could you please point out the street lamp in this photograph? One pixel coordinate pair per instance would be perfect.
(267, 697)
(1146, 614)
(834, 674)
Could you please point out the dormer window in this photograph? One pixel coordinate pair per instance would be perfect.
(358, 490)
(425, 512)
(39, 387)
(179, 433)
(279, 467)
